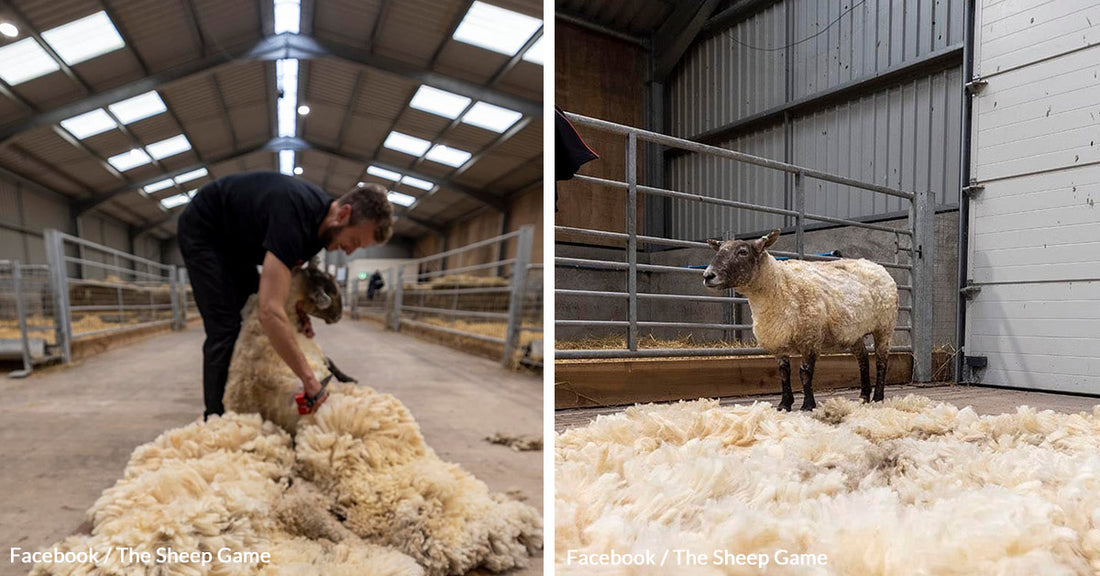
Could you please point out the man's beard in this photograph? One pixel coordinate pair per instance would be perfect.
(329, 235)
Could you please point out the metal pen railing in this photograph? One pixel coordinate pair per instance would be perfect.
(100, 290)
(493, 292)
(26, 316)
(917, 265)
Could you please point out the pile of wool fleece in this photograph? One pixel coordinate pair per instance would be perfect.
(909, 486)
(356, 492)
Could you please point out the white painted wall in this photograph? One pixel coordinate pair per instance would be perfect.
(1035, 228)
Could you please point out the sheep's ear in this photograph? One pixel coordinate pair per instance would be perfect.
(322, 300)
(770, 238)
(714, 243)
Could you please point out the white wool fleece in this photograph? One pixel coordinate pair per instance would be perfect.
(909, 487)
(357, 491)
(799, 306)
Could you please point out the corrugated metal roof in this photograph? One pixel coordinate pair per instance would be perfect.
(350, 21)
(160, 31)
(637, 17)
(230, 107)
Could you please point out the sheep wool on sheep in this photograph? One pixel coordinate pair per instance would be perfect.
(907, 487)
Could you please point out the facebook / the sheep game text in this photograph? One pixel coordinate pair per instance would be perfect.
(686, 557)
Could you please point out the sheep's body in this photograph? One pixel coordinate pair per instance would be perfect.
(799, 307)
(259, 381)
(904, 488)
(808, 308)
(357, 491)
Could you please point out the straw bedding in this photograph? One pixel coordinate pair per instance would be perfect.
(906, 487)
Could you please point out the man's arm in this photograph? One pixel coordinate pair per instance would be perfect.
(274, 289)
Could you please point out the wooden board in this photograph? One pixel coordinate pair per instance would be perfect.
(583, 383)
(602, 77)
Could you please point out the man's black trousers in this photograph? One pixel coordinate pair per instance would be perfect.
(221, 288)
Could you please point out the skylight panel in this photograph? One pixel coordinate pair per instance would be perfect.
(491, 117)
(84, 39)
(286, 162)
(139, 107)
(286, 76)
(447, 155)
(402, 199)
(174, 201)
(158, 186)
(89, 124)
(288, 16)
(439, 102)
(168, 147)
(407, 144)
(192, 175)
(496, 29)
(128, 160)
(383, 173)
(534, 53)
(25, 60)
(417, 183)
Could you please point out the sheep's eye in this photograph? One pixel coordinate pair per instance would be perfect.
(742, 252)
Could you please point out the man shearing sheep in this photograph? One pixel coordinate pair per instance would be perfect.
(268, 218)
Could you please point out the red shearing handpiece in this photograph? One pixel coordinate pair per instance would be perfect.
(307, 404)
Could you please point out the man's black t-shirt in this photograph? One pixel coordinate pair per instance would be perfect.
(253, 213)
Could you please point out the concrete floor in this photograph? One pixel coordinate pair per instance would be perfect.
(66, 433)
(984, 401)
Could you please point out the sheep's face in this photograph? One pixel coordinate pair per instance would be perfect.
(318, 294)
(736, 261)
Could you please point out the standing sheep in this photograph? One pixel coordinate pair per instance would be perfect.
(806, 308)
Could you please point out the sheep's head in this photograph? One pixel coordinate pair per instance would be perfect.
(314, 292)
(736, 261)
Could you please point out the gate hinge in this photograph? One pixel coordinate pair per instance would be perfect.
(970, 291)
(973, 189)
(976, 85)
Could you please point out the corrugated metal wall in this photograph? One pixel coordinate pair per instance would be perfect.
(26, 211)
(23, 212)
(907, 135)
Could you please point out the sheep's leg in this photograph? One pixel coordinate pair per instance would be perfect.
(785, 379)
(338, 373)
(806, 371)
(882, 355)
(864, 371)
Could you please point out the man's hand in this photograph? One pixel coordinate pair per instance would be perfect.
(310, 385)
(274, 290)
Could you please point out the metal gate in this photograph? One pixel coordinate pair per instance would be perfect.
(914, 244)
(1033, 256)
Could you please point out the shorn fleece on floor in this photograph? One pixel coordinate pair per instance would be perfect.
(908, 487)
(356, 492)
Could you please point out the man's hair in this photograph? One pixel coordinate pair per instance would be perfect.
(370, 204)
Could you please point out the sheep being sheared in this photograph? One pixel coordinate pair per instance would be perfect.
(364, 451)
(806, 308)
(259, 381)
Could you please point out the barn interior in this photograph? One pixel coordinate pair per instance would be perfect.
(114, 113)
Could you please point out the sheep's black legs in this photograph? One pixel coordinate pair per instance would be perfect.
(806, 372)
(338, 373)
(880, 376)
(864, 371)
(785, 379)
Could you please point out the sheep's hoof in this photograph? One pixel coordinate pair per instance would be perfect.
(879, 397)
(865, 398)
(784, 406)
(808, 407)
